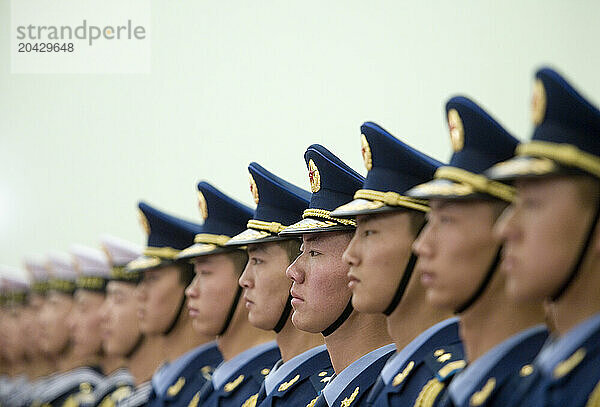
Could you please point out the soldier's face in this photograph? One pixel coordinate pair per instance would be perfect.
(543, 232)
(54, 333)
(320, 282)
(455, 250)
(36, 304)
(159, 296)
(266, 287)
(15, 349)
(84, 321)
(211, 293)
(377, 256)
(120, 326)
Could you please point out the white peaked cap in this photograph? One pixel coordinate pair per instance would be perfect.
(61, 266)
(90, 261)
(14, 278)
(119, 251)
(36, 268)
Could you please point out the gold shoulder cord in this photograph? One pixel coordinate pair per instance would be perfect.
(429, 393)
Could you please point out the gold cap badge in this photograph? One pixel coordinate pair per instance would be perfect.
(538, 102)
(366, 152)
(144, 222)
(457, 131)
(314, 176)
(253, 189)
(202, 206)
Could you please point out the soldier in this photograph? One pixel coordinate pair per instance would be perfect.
(161, 309)
(358, 344)
(70, 376)
(214, 303)
(459, 257)
(299, 376)
(551, 241)
(381, 265)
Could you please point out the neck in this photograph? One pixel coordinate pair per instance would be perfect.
(413, 316)
(241, 335)
(183, 338)
(493, 318)
(359, 335)
(581, 300)
(111, 363)
(39, 366)
(148, 357)
(292, 342)
(71, 361)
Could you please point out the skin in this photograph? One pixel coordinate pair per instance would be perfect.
(15, 346)
(266, 287)
(159, 295)
(377, 256)
(320, 283)
(119, 322)
(83, 322)
(211, 293)
(542, 231)
(455, 250)
(54, 331)
(36, 304)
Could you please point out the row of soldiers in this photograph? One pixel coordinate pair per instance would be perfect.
(469, 283)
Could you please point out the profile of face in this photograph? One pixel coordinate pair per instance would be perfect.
(32, 328)
(377, 255)
(14, 333)
(83, 322)
(159, 296)
(266, 287)
(119, 327)
(455, 250)
(54, 332)
(320, 282)
(211, 293)
(543, 231)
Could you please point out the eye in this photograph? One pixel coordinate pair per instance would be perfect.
(255, 261)
(368, 232)
(204, 272)
(446, 219)
(313, 253)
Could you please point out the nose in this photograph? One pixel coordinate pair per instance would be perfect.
(505, 227)
(350, 255)
(294, 271)
(192, 290)
(422, 245)
(246, 280)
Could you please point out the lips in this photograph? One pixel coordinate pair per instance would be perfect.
(193, 312)
(248, 302)
(427, 277)
(352, 281)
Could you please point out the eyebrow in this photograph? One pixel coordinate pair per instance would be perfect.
(256, 248)
(313, 237)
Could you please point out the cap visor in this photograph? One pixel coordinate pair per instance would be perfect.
(523, 167)
(312, 225)
(202, 249)
(363, 207)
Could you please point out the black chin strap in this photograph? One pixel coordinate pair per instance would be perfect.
(177, 316)
(486, 281)
(577, 266)
(284, 315)
(408, 272)
(135, 346)
(341, 319)
(232, 309)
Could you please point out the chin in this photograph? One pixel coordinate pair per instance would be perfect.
(366, 306)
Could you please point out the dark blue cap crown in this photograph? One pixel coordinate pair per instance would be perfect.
(166, 230)
(277, 200)
(333, 183)
(222, 214)
(484, 141)
(394, 165)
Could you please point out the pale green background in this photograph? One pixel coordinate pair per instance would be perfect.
(238, 81)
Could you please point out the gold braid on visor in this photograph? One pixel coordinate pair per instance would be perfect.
(391, 198)
(478, 182)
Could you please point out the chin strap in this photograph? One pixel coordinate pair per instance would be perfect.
(177, 316)
(232, 309)
(486, 281)
(284, 315)
(583, 252)
(135, 346)
(340, 320)
(408, 272)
